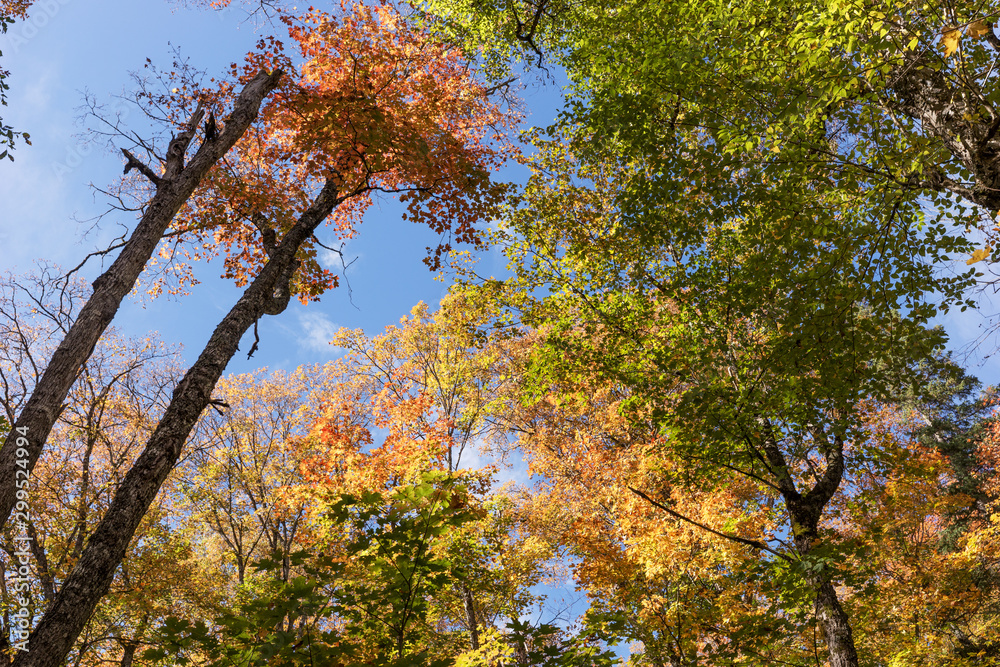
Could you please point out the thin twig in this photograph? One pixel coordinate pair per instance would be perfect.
(756, 544)
(345, 266)
(256, 340)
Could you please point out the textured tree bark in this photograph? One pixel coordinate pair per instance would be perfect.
(805, 512)
(91, 578)
(470, 617)
(836, 627)
(832, 617)
(958, 117)
(173, 188)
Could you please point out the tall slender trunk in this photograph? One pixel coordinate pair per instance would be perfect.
(173, 188)
(831, 615)
(91, 578)
(470, 617)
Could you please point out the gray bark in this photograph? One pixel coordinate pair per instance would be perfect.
(805, 511)
(955, 114)
(470, 617)
(91, 578)
(173, 188)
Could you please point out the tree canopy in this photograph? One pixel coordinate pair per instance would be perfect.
(713, 348)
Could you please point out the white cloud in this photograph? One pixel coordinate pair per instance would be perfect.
(328, 259)
(333, 261)
(318, 330)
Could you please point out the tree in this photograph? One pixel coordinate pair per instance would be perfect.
(443, 366)
(109, 413)
(377, 107)
(420, 391)
(924, 593)
(364, 601)
(441, 356)
(694, 555)
(899, 91)
(755, 197)
(240, 459)
(766, 387)
(175, 185)
(394, 541)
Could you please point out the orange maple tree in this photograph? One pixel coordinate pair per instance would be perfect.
(377, 106)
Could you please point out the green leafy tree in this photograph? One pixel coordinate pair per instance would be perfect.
(367, 602)
(744, 217)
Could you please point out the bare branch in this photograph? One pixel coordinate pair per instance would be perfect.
(135, 163)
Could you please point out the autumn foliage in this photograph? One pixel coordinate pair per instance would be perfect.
(703, 421)
(370, 101)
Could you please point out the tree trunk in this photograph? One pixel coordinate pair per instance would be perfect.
(92, 576)
(805, 511)
(836, 626)
(128, 654)
(954, 112)
(470, 617)
(173, 188)
(832, 617)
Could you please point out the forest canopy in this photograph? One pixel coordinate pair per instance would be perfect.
(713, 347)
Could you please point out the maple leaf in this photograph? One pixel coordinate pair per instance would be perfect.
(979, 255)
(950, 39)
(978, 29)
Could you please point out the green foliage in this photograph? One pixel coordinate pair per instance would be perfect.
(545, 645)
(366, 604)
(7, 133)
(743, 220)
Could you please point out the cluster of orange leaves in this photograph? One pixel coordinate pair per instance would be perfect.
(912, 593)
(369, 101)
(340, 455)
(17, 9)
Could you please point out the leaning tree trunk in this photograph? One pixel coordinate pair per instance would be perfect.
(173, 188)
(91, 578)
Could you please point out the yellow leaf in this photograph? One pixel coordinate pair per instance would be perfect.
(949, 40)
(978, 256)
(977, 29)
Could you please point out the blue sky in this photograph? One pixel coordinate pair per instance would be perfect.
(68, 47)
